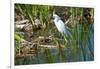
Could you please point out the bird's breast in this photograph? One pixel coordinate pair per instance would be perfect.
(60, 26)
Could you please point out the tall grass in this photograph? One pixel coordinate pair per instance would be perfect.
(81, 46)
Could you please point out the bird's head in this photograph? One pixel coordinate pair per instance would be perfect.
(55, 16)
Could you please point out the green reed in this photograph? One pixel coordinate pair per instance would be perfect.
(81, 46)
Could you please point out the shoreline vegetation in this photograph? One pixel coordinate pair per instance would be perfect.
(37, 40)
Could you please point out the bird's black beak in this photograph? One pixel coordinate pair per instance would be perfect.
(52, 18)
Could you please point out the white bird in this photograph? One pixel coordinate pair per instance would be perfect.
(61, 26)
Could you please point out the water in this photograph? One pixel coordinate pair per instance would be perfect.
(81, 47)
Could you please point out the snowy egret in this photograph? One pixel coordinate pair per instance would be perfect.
(61, 26)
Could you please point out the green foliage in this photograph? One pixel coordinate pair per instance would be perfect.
(79, 48)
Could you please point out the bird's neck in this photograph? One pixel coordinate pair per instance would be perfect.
(56, 19)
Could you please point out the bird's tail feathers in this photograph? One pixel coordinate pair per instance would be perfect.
(68, 33)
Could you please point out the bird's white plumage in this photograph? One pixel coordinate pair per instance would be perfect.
(62, 28)
(59, 24)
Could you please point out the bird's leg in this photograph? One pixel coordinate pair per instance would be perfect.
(63, 38)
(67, 40)
(60, 36)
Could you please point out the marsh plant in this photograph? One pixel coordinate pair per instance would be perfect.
(37, 40)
